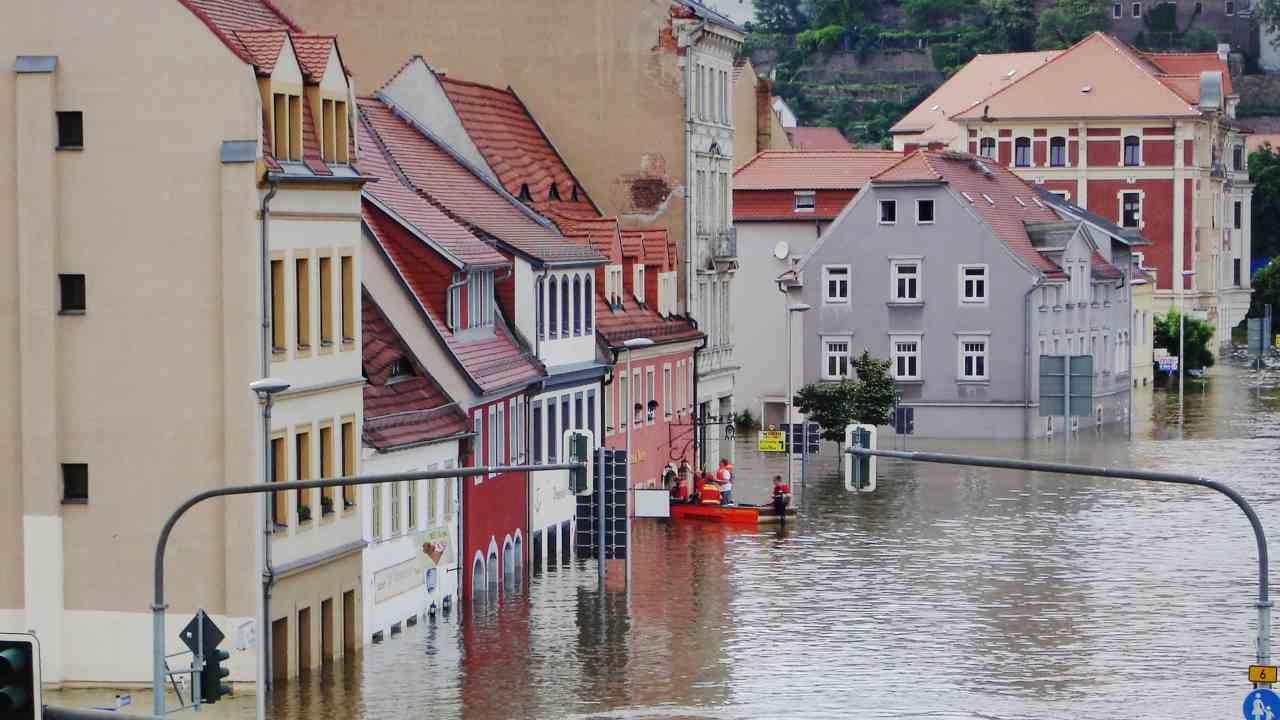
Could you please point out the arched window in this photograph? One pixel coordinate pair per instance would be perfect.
(1022, 152)
(577, 305)
(1057, 152)
(1131, 153)
(564, 307)
(477, 578)
(590, 301)
(508, 566)
(552, 295)
(987, 148)
(491, 574)
(542, 311)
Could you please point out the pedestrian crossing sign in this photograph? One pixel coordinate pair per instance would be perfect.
(1261, 704)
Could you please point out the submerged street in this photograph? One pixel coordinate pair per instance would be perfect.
(948, 593)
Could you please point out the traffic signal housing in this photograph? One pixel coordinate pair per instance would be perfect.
(211, 686)
(578, 444)
(860, 470)
(20, 677)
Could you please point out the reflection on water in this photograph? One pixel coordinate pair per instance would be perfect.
(948, 593)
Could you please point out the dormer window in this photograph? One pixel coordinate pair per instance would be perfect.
(805, 201)
(477, 310)
(553, 193)
(400, 369)
(333, 127)
(286, 121)
(524, 195)
(613, 285)
(637, 282)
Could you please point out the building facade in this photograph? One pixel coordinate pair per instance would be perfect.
(965, 321)
(1146, 140)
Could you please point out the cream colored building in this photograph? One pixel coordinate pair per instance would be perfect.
(1141, 289)
(136, 149)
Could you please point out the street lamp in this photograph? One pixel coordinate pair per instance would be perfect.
(791, 310)
(266, 389)
(1182, 343)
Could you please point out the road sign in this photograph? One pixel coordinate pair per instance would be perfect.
(771, 441)
(1262, 673)
(1261, 704)
(190, 633)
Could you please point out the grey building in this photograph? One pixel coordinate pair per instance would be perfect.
(962, 275)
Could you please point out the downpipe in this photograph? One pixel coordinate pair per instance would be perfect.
(265, 529)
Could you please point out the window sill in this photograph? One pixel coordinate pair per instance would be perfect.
(974, 303)
(278, 529)
(69, 148)
(1044, 308)
(326, 343)
(972, 381)
(907, 381)
(75, 501)
(71, 311)
(905, 303)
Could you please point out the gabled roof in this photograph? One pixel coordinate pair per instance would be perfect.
(397, 198)
(313, 53)
(992, 192)
(1191, 65)
(812, 169)
(492, 362)
(404, 411)
(263, 46)
(225, 17)
(983, 75)
(1097, 77)
(816, 138)
(457, 189)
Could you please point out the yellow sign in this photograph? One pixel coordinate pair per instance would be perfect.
(771, 441)
(1262, 673)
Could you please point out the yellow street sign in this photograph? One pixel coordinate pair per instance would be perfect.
(771, 441)
(1262, 673)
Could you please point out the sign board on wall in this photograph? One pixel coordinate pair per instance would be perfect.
(433, 550)
(771, 441)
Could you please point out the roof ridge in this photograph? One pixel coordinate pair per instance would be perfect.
(1061, 54)
(1129, 53)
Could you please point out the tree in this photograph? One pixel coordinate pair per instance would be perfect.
(1264, 173)
(1199, 335)
(1009, 26)
(933, 14)
(1070, 21)
(779, 16)
(1267, 13)
(869, 399)
(1266, 290)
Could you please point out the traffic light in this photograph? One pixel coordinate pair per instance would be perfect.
(579, 444)
(860, 470)
(20, 677)
(211, 685)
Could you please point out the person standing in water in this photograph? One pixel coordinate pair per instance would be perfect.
(781, 497)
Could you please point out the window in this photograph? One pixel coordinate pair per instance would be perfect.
(1235, 272)
(888, 212)
(400, 369)
(295, 127)
(513, 431)
(302, 465)
(551, 430)
(1136, 10)
(806, 202)
(552, 296)
(906, 281)
(279, 473)
(637, 282)
(70, 130)
(411, 496)
(835, 359)
(1238, 208)
(1131, 151)
(564, 307)
(541, 310)
(591, 413)
(1237, 157)
(302, 291)
(480, 299)
(667, 400)
(277, 306)
(397, 495)
(648, 395)
(906, 357)
(637, 399)
(577, 411)
(72, 287)
(326, 468)
(348, 462)
(1117, 11)
(477, 442)
(836, 283)
(348, 297)
(280, 121)
(577, 305)
(500, 423)
(448, 496)
(1230, 7)
(624, 402)
(328, 148)
(610, 394)
(1058, 151)
(433, 502)
(924, 212)
(341, 130)
(536, 419)
(1022, 152)
(987, 148)
(973, 358)
(1130, 210)
(566, 421)
(326, 302)
(75, 483)
(377, 512)
(613, 284)
(973, 283)
(590, 309)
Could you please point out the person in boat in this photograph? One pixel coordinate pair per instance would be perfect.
(781, 496)
(679, 492)
(710, 494)
(699, 479)
(724, 477)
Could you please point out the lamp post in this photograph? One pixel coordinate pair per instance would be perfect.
(1182, 343)
(791, 310)
(266, 389)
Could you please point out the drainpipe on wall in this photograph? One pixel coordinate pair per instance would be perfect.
(690, 240)
(1026, 355)
(448, 298)
(265, 530)
(697, 406)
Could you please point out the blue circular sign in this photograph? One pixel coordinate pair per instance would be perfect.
(1262, 704)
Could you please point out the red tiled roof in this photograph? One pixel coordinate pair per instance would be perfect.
(812, 169)
(492, 361)
(443, 179)
(313, 53)
(816, 138)
(965, 174)
(264, 47)
(391, 191)
(1191, 64)
(1104, 269)
(311, 143)
(405, 411)
(633, 321)
(226, 16)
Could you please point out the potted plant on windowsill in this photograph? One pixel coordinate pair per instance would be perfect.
(347, 504)
(326, 506)
(304, 513)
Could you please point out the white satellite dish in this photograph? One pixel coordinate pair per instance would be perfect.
(781, 250)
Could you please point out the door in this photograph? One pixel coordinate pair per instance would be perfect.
(304, 640)
(349, 622)
(280, 649)
(326, 630)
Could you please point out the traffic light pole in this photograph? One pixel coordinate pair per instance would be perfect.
(158, 604)
(1263, 604)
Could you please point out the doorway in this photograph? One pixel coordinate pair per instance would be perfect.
(326, 630)
(280, 649)
(349, 622)
(304, 640)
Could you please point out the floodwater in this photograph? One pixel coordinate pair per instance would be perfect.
(948, 593)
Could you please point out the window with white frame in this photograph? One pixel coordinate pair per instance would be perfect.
(637, 282)
(973, 358)
(905, 354)
(835, 283)
(1058, 150)
(1022, 152)
(888, 212)
(924, 212)
(806, 201)
(973, 284)
(905, 275)
(1130, 209)
(480, 299)
(649, 396)
(835, 359)
(987, 148)
(667, 400)
(612, 284)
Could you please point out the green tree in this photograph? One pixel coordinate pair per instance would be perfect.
(849, 13)
(1008, 26)
(933, 14)
(780, 16)
(868, 399)
(1264, 173)
(1266, 291)
(1069, 21)
(1199, 335)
